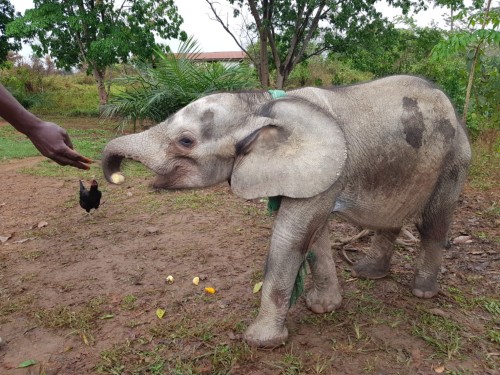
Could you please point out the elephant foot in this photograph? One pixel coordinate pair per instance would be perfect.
(370, 268)
(322, 301)
(262, 335)
(425, 285)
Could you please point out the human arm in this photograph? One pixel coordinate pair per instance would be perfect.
(50, 139)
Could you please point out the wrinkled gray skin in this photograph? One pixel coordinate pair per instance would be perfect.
(379, 154)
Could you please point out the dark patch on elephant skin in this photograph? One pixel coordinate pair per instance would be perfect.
(445, 127)
(413, 122)
(207, 119)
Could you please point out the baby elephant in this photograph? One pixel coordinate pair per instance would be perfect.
(379, 154)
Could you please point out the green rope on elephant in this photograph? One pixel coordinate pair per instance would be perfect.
(298, 286)
(273, 204)
(276, 94)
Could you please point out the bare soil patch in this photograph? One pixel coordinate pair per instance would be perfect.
(79, 294)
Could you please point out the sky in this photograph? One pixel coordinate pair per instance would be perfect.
(211, 37)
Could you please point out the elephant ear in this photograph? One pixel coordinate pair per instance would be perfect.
(298, 152)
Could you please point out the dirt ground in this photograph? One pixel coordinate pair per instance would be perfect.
(79, 294)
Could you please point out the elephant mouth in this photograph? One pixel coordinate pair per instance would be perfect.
(172, 182)
(162, 182)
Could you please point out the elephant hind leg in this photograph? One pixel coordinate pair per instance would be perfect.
(433, 228)
(324, 296)
(376, 264)
(433, 234)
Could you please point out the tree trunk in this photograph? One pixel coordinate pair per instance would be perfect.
(101, 87)
(264, 62)
(280, 79)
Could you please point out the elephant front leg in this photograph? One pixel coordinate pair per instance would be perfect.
(297, 223)
(324, 295)
(268, 330)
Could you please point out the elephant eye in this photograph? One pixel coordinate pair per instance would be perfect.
(186, 142)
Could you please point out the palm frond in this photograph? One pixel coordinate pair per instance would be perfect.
(156, 91)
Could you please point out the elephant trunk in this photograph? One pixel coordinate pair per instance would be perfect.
(134, 146)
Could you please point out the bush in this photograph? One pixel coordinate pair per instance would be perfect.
(319, 71)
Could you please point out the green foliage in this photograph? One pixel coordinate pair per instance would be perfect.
(69, 96)
(301, 73)
(382, 49)
(155, 92)
(321, 71)
(51, 94)
(473, 45)
(371, 47)
(6, 44)
(24, 83)
(96, 32)
(426, 52)
(286, 28)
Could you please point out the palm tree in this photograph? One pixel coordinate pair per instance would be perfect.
(175, 80)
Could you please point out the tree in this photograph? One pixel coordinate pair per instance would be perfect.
(287, 27)
(6, 16)
(472, 41)
(97, 33)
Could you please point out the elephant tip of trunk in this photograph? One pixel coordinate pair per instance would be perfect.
(117, 178)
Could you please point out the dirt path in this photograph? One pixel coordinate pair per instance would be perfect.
(80, 294)
(17, 164)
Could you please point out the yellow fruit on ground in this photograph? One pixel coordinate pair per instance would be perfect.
(117, 178)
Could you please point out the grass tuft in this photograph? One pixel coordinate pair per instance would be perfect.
(441, 333)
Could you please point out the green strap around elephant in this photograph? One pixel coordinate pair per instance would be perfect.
(273, 204)
(276, 94)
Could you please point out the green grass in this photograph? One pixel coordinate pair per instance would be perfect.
(142, 356)
(80, 321)
(14, 145)
(157, 354)
(133, 357)
(73, 100)
(128, 302)
(291, 364)
(10, 305)
(441, 333)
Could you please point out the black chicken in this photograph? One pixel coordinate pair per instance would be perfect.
(91, 198)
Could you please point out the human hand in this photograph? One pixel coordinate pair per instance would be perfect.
(53, 142)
